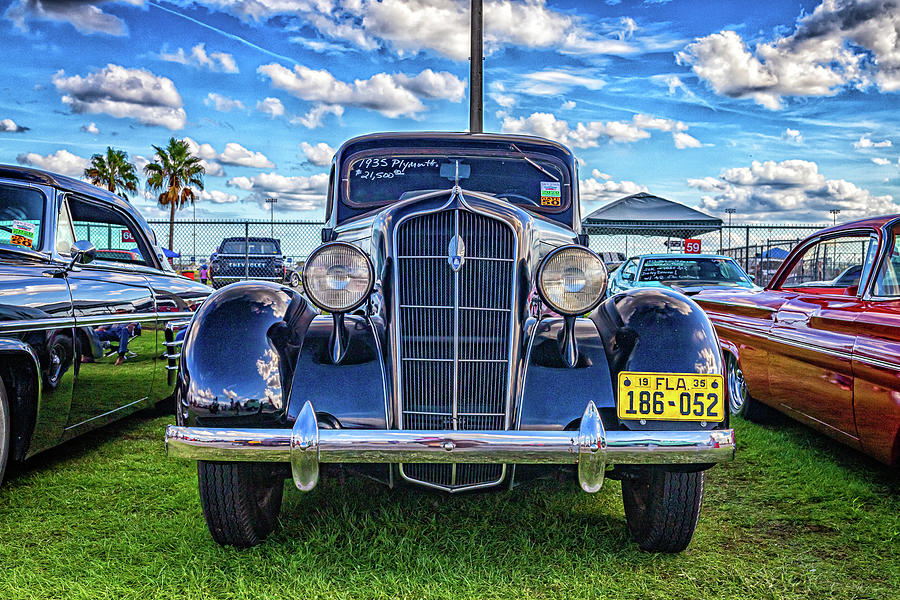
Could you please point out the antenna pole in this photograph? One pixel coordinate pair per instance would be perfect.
(476, 70)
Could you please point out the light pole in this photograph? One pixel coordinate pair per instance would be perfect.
(729, 212)
(272, 202)
(834, 213)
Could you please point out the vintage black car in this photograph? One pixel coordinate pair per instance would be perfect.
(86, 336)
(243, 258)
(465, 347)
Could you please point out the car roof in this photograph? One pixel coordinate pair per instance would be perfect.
(678, 255)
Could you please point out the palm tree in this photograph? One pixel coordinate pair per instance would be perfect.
(174, 173)
(113, 171)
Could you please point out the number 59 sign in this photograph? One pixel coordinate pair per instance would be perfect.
(692, 246)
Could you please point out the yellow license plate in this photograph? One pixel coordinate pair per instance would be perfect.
(671, 397)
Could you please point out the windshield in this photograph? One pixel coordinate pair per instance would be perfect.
(699, 269)
(533, 182)
(256, 247)
(21, 212)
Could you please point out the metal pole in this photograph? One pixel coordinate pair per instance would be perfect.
(747, 251)
(194, 206)
(246, 250)
(476, 69)
(271, 202)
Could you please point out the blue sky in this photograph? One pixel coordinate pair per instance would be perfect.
(781, 110)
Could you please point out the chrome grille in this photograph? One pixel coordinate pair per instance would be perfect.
(454, 333)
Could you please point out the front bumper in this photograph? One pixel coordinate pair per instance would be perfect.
(591, 448)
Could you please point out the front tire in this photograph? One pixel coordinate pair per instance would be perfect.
(740, 402)
(295, 280)
(4, 431)
(240, 501)
(662, 508)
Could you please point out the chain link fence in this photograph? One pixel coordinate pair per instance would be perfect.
(760, 249)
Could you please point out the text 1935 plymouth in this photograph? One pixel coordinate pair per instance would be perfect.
(86, 336)
(466, 347)
(821, 342)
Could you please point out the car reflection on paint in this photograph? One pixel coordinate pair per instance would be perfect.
(686, 273)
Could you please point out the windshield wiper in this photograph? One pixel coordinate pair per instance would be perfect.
(534, 164)
(21, 250)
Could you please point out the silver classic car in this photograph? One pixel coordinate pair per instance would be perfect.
(453, 335)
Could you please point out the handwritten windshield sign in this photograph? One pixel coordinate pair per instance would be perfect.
(388, 168)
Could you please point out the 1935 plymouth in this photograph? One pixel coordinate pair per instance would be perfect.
(463, 345)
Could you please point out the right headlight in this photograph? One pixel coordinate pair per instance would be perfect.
(571, 280)
(338, 277)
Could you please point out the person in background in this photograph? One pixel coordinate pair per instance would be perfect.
(204, 273)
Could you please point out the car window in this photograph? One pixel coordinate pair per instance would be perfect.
(887, 283)
(834, 262)
(116, 240)
(629, 270)
(65, 236)
(255, 247)
(21, 215)
(699, 269)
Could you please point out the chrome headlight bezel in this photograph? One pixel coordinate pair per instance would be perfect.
(548, 297)
(309, 289)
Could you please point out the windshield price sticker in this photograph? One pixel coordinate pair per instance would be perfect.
(388, 168)
(671, 397)
(551, 193)
(22, 234)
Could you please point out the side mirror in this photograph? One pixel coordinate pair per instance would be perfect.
(82, 253)
(627, 276)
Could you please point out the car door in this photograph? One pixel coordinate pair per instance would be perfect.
(113, 306)
(876, 356)
(814, 332)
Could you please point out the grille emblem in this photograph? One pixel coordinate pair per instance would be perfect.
(456, 253)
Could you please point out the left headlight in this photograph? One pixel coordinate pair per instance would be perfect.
(571, 280)
(338, 277)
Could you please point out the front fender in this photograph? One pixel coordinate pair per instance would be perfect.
(238, 357)
(659, 331)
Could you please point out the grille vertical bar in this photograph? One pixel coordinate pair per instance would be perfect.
(454, 333)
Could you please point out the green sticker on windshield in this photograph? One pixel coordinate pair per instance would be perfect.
(551, 193)
(22, 234)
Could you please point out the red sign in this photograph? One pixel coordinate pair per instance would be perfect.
(692, 246)
(127, 237)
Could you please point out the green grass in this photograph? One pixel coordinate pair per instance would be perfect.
(108, 516)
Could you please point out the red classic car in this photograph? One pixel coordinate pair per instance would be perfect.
(821, 343)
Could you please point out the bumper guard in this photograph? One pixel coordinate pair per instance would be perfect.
(591, 448)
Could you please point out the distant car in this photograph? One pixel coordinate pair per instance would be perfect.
(293, 274)
(612, 260)
(686, 273)
(821, 343)
(241, 259)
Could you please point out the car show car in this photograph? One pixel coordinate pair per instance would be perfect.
(821, 342)
(86, 336)
(687, 273)
(243, 258)
(453, 335)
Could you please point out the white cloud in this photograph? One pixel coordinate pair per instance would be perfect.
(391, 95)
(293, 193)
(61, 161)
(789, 190)
(588, 135)
(85, 16)
(223, 103)
(315, 116)
(552, 82)
(270, 106)
(592, 190)
(10, 126)
(124, 93)
(234, 154)
(568, 105)
(217, 197)
(866, 142)
(90, 128)
(219, 62)
(838, 46)
(792, 135)
(319, 155)
(881, 161)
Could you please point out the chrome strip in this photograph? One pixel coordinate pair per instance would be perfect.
(36, 324)
(91, 320)
(24, 325)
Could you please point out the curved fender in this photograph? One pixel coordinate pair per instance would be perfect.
(555, 395)
(350, 394)
(658, 330)
(238, 358)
